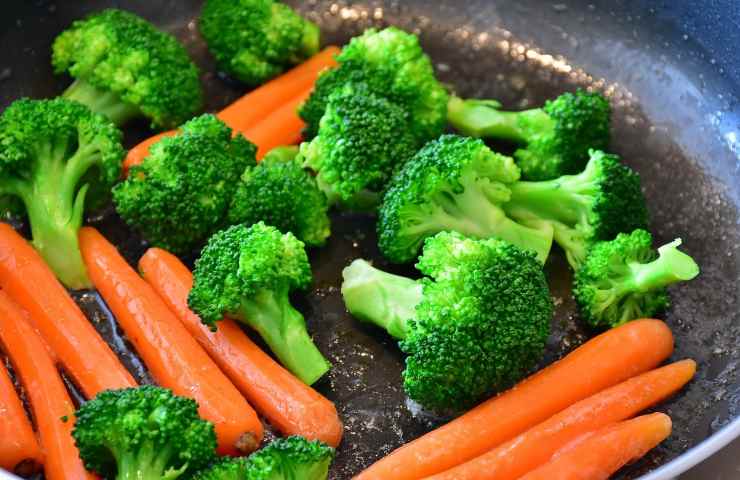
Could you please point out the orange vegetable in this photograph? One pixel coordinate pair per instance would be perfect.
(597, 455)
(19, 450)
(281, 127)
(173, 357)
(30, 283)
(47, 395)
(536, 446)
(603, 361)
(290, 405)
(250, 109)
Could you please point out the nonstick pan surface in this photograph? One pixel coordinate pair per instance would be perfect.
(673, 89)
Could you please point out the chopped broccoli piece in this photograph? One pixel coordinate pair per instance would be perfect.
(279, 192)
(596, 204)
(556, 137)
(247, 273)
(453, 183)
(392, 63)
(362, 139)
(180, 194)
(624, 279)
(226, 468)
(56, 157)
(147, 433)
(477, 323)
(124, 67)
(255, 40)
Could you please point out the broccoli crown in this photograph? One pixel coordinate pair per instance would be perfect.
(144, 70)
(181, 193)
(281, 193)
(145, 432)
(56, 156)
(291, 458)
(624, 279)
(392, 63)
(453, 183)
(254, 40)
(362, 139)
(225, 468)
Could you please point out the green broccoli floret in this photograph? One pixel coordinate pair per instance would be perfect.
(362, 139)
(248, 273)
(392, 63)
(477, 323)
(255, 40)
(124, 67)
(556, 137)
(56, 157)
(146, 433)
(281, 193)
(624, 279)
(596, 204)
(453, 183)
(180, 194)
(225, 468)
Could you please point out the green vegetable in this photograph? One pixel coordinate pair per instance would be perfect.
(144, 433)
(453, 183)
(624, 279)
(476, 323)
(247, 273)
(255, 40)
(555, 138)
(180, 194)
(124, 68)
(56, 158)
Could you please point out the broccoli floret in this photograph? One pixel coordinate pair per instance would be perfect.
(453, 183)
(57, 156)
(254, 40)
(556, 137)
(476, 323)
(393, 64)
(147, 433)
(124, 67)
(281, 193)
(603, 200)
(226, 468)
(362, 139)
(624, 279)
(180, 194)
(247, 273)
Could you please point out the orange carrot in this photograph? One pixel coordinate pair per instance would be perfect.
(281, 127)
(173, 357)
(597, 455)
(250, 109)
(30, 283)
(52, 408)
(537, 445)
(19, 450)
(290, 405)
(603, 361)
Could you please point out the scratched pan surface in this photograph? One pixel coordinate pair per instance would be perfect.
(672, 79)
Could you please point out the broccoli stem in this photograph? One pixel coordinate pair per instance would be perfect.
(147, 463)
(284, 330)
(362, 201)
(384, 299)
(671, 266)
(101, 101)
(482, 118)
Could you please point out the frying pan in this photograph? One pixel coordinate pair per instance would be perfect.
(672, 72)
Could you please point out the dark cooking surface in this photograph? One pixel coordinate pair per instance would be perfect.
(673, 122)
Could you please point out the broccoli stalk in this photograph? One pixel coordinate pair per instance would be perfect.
(101, 101)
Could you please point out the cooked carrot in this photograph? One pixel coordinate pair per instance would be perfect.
(603, 361)
(597, 455)
(536, 446)
(290, 405)
(250, 109)
(19, 450)
(173, 357)
(281, 127)
(30, 283)
(52, 408)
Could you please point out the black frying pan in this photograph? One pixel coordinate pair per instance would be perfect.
(672, 72)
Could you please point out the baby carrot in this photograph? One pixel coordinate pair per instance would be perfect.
(290, 405)
(19, 450)
(30, 283)
(173, 357)
(603, 361)
(281, 127)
